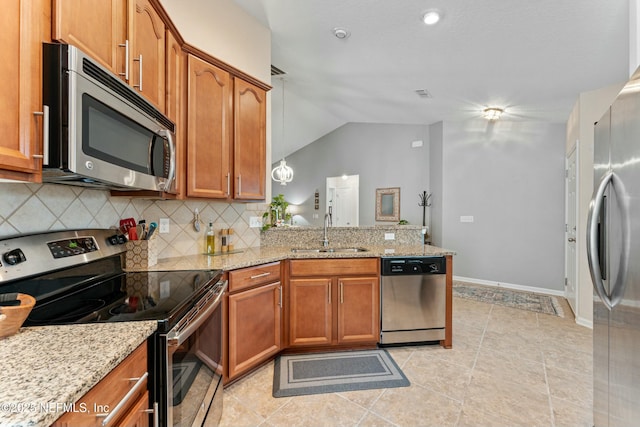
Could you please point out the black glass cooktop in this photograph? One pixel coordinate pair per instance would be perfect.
(102, 292)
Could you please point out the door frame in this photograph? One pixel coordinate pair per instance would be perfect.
(574, 151)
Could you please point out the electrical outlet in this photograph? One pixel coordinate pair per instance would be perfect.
(255, 222)
(164, 226)
(389, 236)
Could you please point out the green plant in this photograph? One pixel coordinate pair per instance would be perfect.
(403, 222)
(277, 212)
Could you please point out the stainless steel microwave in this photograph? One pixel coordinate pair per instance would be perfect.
(99, 132)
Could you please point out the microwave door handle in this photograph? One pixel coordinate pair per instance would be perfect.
(172, 157)
(593, 236)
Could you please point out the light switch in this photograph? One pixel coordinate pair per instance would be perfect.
(389, 236)
(466, 218)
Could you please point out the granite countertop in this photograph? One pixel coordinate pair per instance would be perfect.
(262, 255)
(45, 368)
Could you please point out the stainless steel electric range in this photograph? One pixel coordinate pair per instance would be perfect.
(77, 277)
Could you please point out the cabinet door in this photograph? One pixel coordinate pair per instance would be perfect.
(176, 99)
(358, 309)
(254, 327)
(147, 63)
(138, 415)
(23, 27)
(209, 127)
(98, 28)
(310, 314)
(249, 144)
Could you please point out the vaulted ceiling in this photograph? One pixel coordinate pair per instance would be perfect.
(531, 58)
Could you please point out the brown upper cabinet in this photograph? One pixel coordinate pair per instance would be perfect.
(249, 143)
(209, 130)
(226, 141)
(126, 36)
(176, 103)
(25, 24)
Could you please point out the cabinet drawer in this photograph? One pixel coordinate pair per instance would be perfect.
(105, 396)
(333, 267)
(252, 276)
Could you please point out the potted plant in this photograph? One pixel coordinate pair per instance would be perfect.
(277, 214)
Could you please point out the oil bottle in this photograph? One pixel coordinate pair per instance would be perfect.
(210, 247)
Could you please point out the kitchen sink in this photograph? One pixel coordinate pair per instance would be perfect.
(334, 250)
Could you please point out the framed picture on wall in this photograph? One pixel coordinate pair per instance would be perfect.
(388, 204)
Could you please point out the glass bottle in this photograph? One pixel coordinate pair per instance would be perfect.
(210, 239)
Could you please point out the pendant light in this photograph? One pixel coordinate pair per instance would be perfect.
(282, 173)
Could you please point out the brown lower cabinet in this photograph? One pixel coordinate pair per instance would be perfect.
(103, 398)
(255, 317)
(324, 303)
(334, 302)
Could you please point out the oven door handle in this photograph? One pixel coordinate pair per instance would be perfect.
(176, 338)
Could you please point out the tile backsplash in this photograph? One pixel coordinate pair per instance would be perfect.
(30, 208)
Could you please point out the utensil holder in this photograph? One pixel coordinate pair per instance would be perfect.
(141, 254)
(12, 317)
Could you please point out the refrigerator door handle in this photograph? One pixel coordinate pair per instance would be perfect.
(592, 239)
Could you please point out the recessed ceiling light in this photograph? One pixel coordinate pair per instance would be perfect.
(341, 33)
(431, 17)
(492, 113)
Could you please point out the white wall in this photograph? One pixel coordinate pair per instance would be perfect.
(510, 177)
(380, 153)
(227, 32)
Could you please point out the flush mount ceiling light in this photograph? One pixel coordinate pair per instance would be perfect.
(492, 113)
(431, 17)
(341, 33)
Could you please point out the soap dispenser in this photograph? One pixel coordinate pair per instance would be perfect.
(210, 245)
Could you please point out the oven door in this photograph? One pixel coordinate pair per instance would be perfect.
(194, 364)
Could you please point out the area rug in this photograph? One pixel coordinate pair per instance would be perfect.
(516, 299)
(316, 373)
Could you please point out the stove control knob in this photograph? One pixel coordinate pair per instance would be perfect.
(14, 257)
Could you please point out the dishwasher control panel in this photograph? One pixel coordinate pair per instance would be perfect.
(413, 265)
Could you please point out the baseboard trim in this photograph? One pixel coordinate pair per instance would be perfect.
(584, 322)
(510, 286)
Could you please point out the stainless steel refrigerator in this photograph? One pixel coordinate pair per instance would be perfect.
(613, 247)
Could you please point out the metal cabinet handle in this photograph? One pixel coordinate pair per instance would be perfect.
(125, 45)
(257, 276)
(329, 294)
(229, 184)
(239, 184)
(125, 400)
(280, 296)
(154, 411)
(45, 135)
(139, 59)
(341, 293)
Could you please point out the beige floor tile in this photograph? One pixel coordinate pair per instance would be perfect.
(373, 420)
(507, 367)
(364, 398)
(318, 410)
(235, 414)
(515, 402)
(567, 414)
(572, 386)
(410, 406)
(438, 375)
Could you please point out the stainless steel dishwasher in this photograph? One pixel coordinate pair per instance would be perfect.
(413, 299)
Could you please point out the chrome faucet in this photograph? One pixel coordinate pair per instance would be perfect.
(325, 240)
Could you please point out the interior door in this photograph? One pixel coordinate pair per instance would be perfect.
(571, 288)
